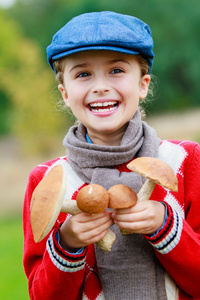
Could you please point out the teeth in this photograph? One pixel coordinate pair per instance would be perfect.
(103, 107)
(100, 104)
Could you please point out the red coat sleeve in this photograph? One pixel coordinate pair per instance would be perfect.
(52, 273)
(177, 245)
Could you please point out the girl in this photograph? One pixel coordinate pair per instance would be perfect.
(103, 63)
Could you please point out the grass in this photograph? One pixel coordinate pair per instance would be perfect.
(13, 282)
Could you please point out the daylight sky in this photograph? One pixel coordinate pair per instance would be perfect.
(6, 3)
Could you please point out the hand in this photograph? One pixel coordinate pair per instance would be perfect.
(145, 217)
(84, 229)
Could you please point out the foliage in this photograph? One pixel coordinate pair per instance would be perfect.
(175, 27)
(25, 88)
(28, 28)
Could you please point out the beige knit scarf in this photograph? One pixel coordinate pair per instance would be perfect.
(130, 271)
(97, 164)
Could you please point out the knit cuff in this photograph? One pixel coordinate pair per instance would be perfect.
(168, 237)
(166, 217)
(79, 251)
(64, 261)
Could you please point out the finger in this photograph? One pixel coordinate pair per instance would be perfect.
(142, 227)
(87, 222)
(138, 207)
(129, 216)
(84, 217)
(95, 234)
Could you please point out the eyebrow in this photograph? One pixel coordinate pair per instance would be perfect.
(79, 66)
(118, 60)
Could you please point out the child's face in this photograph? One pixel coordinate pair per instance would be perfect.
(103, 89)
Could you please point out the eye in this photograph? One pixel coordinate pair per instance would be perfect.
(82, 74)
(117, 70)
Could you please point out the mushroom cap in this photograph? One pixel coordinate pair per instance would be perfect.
(156, 170)
(46, 202)
(121, 196)
(92, 199)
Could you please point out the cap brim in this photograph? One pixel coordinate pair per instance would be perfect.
(90, 48)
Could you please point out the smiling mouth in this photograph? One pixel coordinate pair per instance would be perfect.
(103, 106)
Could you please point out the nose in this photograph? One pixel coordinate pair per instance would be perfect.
(101, 85)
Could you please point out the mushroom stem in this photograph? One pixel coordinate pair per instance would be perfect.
(146, 190)
(70, 207)
(105, 244)
(107, 241)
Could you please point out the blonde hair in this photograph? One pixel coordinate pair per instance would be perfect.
(59, 67)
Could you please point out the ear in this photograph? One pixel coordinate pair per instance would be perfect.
(63, 93)
(144, 85)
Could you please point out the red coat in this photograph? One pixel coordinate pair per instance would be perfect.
(54, 274)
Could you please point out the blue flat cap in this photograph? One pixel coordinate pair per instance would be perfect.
(104, 30)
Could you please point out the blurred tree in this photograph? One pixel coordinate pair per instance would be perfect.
(27, 81)
(5, 110)
(25, 86)
(175, 26)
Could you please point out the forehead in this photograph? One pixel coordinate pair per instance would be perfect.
(94, 55)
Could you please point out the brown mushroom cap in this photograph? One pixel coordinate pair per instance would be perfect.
(121, 196)
(46, 202)
(92, 199)
(155, 169)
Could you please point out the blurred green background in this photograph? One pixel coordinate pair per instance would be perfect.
(32, 124)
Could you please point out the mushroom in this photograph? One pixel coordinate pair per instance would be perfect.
(156, 171)
(121, 196)
(92, 199)
(48, 201)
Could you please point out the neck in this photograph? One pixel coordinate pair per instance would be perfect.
(108, 139)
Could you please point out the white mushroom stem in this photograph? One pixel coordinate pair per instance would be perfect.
(146, 190)
(70, 207)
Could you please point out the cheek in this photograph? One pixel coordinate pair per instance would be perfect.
(76, 90)
(129, 89)
(74, 96)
